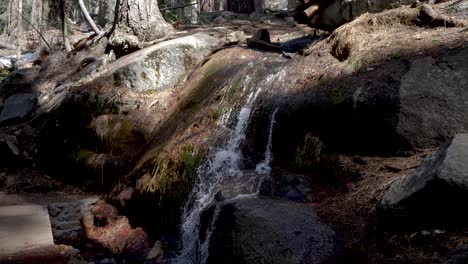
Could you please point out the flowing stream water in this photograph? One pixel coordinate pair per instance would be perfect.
(222, 164)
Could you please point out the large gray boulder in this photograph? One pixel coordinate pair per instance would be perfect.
(433, 101)
(261, 230)
(399, 106)
(435, 194)
(165, 64)
(17, 106)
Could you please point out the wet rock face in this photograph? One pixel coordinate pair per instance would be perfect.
(164, 67)
(287, 186)
(260, 230)
(435, 194)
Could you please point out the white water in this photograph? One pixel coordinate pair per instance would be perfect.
(221, 164)
(264, 166)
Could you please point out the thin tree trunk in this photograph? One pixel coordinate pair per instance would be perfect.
(17, 28)
(33, 12)
(8, 26)
(88, 17)
(63, 11)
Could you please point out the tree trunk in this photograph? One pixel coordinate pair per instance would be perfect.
(19, 29)
(36, 15)
(14, 31)
(8, 25)
(138, 21)
(63, 16)
(241, 6)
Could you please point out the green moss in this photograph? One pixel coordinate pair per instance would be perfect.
(80, 155)
(394, 56)
(99, 107)
(307, 156)
(171, 178)
(335, 96)
(203, 87)
(4, 74)
(217, 114)
(234, 88)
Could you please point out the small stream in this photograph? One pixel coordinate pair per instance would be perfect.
(223, 167)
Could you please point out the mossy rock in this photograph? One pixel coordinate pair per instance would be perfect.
(116, 135)
(171, 177)
(308, 156)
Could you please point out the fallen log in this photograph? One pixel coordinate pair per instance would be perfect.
(7, 46)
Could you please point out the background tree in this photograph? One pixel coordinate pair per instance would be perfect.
(138, 21)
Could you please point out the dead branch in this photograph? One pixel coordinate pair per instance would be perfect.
(88, 17)
(38, 32)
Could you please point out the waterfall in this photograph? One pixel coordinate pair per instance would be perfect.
(222, 163)
(264, 166)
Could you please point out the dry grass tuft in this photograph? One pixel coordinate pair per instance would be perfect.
(113, 232)
(375, 38)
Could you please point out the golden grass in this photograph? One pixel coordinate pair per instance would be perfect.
(393, 34)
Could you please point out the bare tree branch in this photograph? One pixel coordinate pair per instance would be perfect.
(88, 17)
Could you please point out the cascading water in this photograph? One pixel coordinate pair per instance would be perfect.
(264, 166)
(223, 163)
(220, 165)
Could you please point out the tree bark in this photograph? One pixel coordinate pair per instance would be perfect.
(36, 16)
(19, 29)
(14, 31)
(241, 6)
(63, 16)
(138, 21)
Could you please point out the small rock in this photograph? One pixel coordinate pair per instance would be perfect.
(17, 106)
(69, 251)
(369, 69)
(156, 253)
(12, 143)
(126, 195)
(220, 20)
(235, 37)
(290, 21)
(241, 22)
(425, 233)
